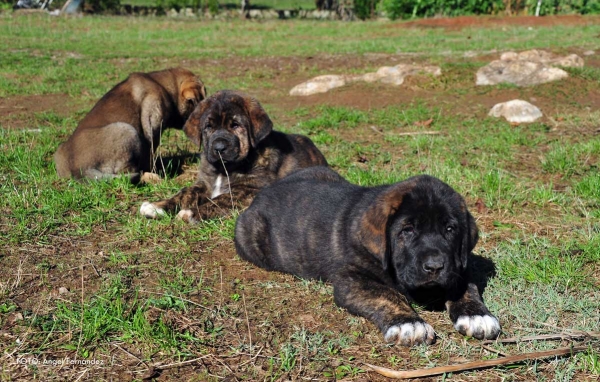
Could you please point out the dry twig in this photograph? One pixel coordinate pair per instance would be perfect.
(411, 133)
(375, 129)
(475, 364)
(575, 334)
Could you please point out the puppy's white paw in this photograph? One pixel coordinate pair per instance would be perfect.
(150, 211)
(480, 327)
(187, 216)
(409, 334)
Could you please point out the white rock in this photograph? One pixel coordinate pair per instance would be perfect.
(320, 84)
(394, 75)
(570, 61)
(518, 72)
(527, 68)
(516, 111)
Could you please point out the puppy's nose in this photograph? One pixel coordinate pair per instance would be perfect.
(219, 146)
(433, 266)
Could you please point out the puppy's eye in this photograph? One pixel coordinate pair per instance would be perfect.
(449, 229)
(407, 230)
(235, 125)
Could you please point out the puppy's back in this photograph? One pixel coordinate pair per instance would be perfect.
(290, 224)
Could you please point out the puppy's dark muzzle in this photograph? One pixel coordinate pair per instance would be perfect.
(219, 147)
(433, 266)
(222, 148)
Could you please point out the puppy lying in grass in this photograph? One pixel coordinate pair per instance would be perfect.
(121, 133)
(380, 247)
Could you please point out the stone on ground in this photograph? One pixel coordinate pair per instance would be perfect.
(394, 75)
(516, 111)
(527, 68)
(320, 84)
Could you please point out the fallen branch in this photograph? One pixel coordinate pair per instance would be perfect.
(375, 129)
(545, 337)
(476, 364)
(411, 133)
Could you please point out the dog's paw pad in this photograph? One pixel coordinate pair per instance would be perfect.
(187, 216)
(480, 327)
(150, 211)
(409, 334)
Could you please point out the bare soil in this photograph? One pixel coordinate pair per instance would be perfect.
(17, 112)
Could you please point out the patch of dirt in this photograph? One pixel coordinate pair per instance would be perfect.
(461, 22)
(17, 112)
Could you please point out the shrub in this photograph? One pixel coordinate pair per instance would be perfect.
(213, 6)
(365, 9)
(554, 7)
(178, 4)
(405, 9)
(97, 6)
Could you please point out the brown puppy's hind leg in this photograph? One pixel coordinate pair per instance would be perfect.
(122, 153)
(116, 150)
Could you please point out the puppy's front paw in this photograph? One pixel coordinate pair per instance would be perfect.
(481, 327)
(409, 334)
(150, 211)
(187, 216)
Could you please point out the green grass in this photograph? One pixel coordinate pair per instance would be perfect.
(58, 52)
(92, 280)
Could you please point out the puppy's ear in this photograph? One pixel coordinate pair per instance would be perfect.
(192, 127)
(469, 239)
(373, 224)
(192, 91)
(260, 121)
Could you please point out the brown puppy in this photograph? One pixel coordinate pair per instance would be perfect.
(241, 154)
(121, 133)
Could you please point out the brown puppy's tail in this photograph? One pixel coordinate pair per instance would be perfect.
(62, 161)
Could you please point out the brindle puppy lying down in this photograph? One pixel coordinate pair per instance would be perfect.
(241, 153)
(379, 246)
(122, 131)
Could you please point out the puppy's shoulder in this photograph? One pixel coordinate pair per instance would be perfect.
(317, 174)
(137, 85)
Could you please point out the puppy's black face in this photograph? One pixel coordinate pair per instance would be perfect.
(228, 125)
(426, 238)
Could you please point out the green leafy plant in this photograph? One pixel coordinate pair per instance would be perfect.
(213, 6)
(405, 9)
(102, 6)
(365, 9)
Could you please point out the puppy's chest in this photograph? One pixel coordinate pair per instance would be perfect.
(219, 186)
